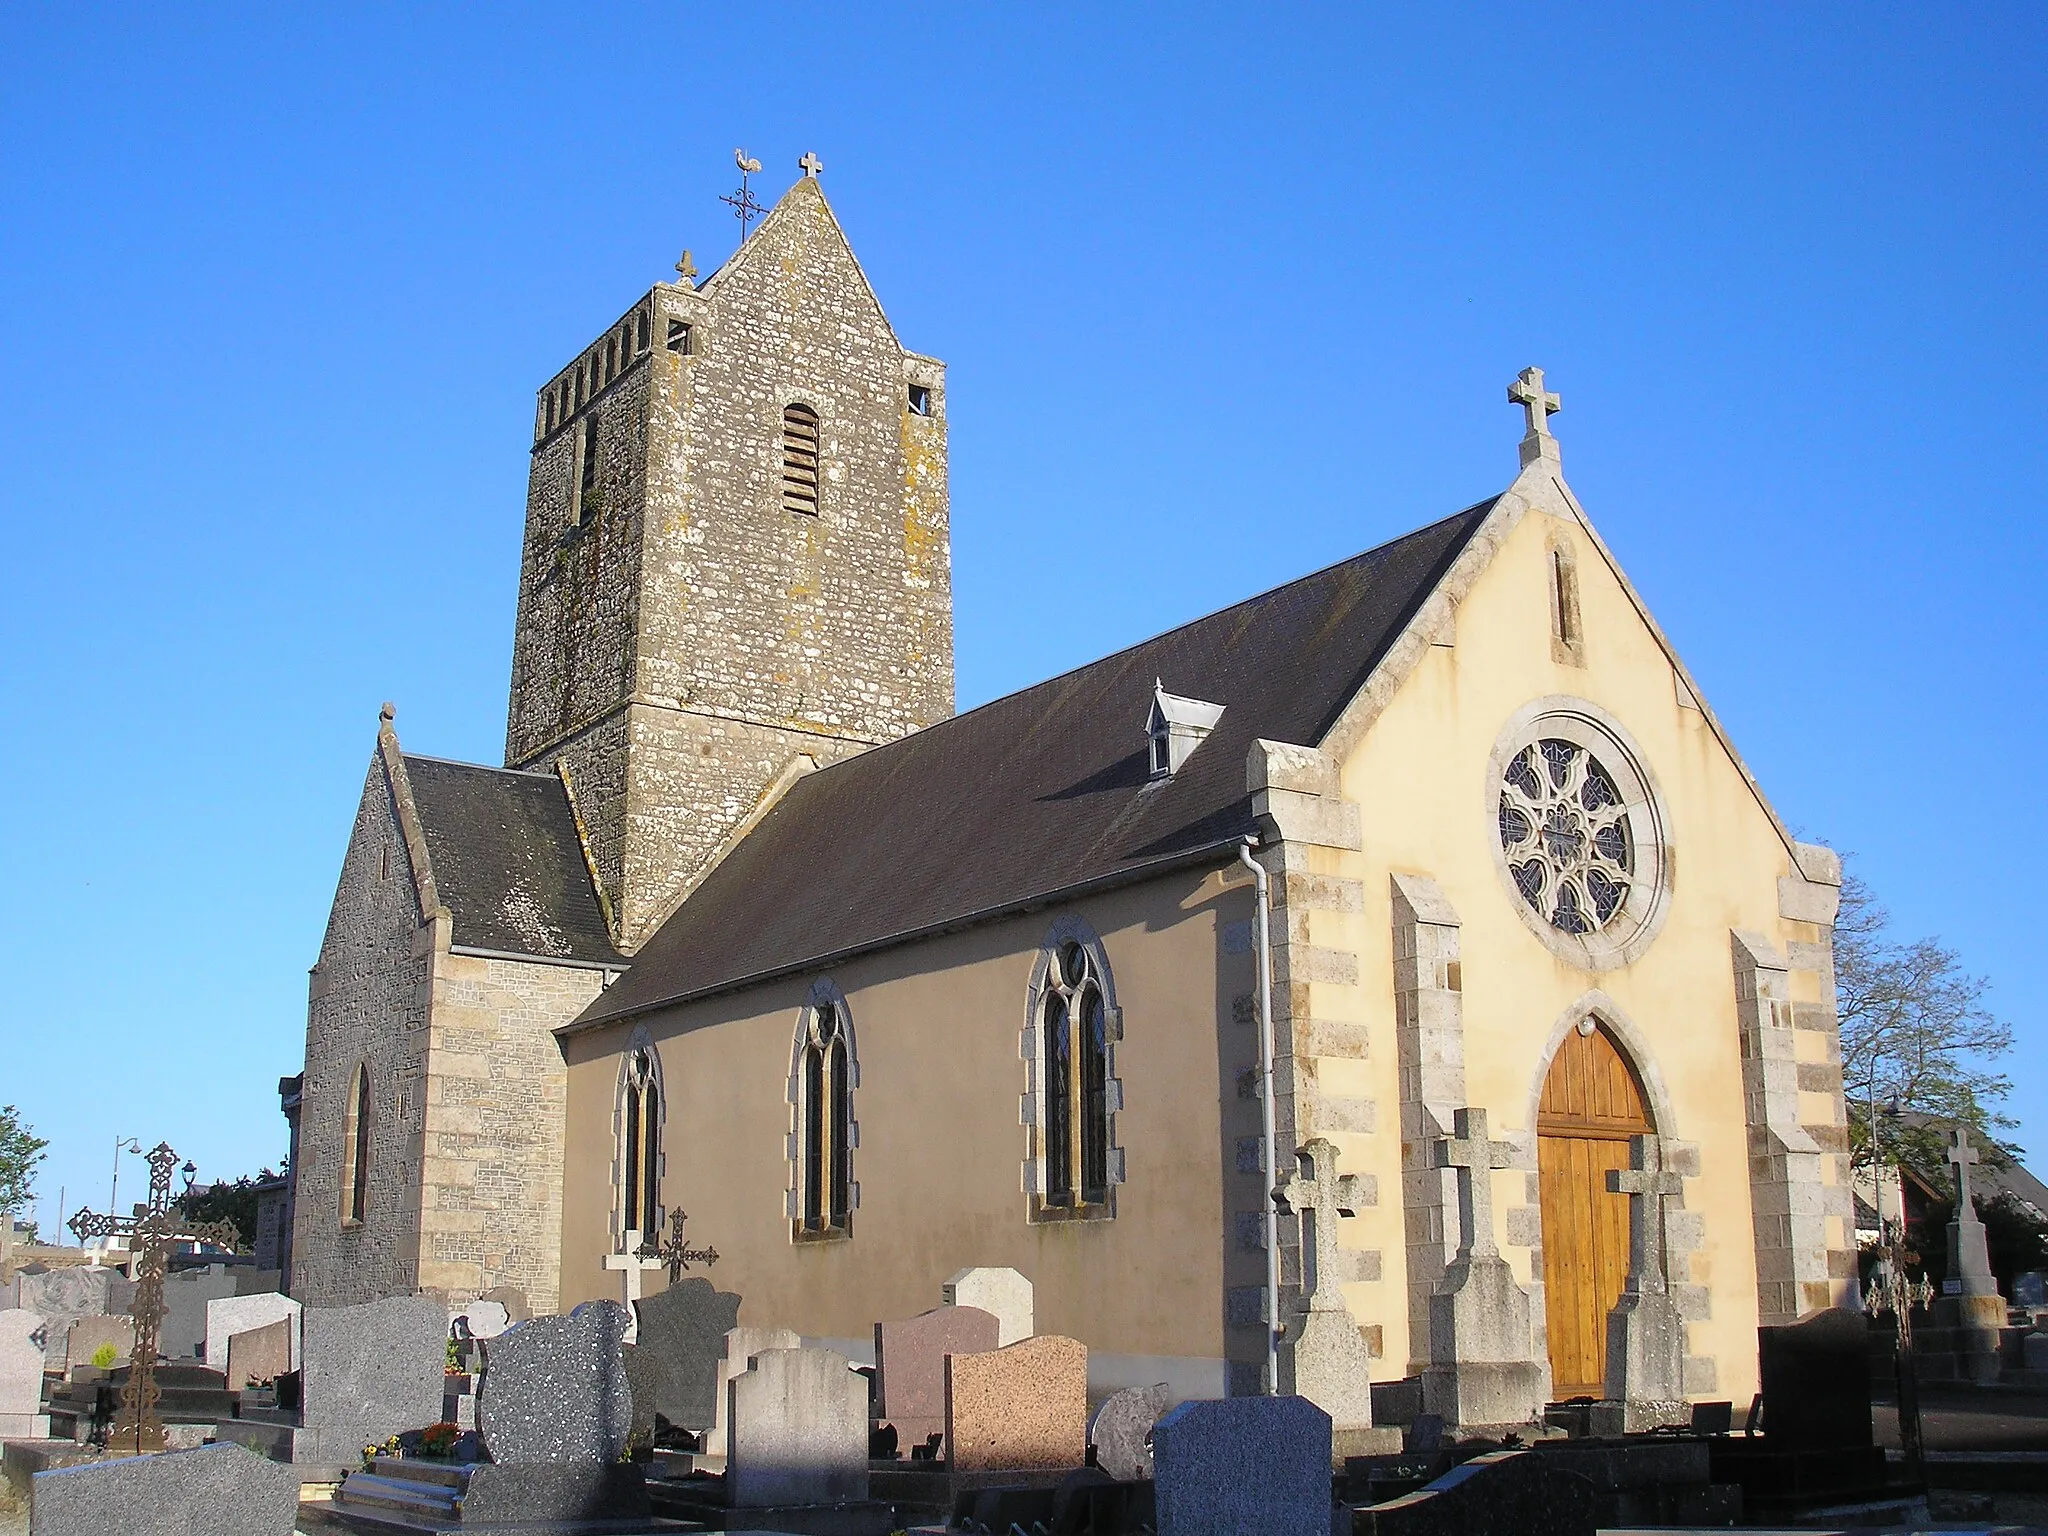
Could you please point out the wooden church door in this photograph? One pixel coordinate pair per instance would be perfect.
(1592, 1104)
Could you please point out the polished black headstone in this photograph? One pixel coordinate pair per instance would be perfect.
(1815, 1382)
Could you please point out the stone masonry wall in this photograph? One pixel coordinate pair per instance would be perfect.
(497, 1093)
(368, 1004)
(735, 634)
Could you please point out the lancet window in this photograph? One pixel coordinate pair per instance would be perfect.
(823, 1076)
(1074, 1027)
(640, 1117)
(355, 1149)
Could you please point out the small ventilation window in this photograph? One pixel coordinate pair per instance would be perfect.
(586, 480)
(1175, 726)
(1567, 629)
(679, 337)
(640, 332)
(800, 459)
(920, 400)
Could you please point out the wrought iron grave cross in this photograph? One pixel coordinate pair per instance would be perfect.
(679, 1257)
(1475, 1158)
(137, 1426)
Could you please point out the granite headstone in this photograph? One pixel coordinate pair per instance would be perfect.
(182, 1334)
(216, 1490)
(21, 1374)
(741, 1345)
(797, 1430)
(674, 1366)
(910, 1365)
(554, 1389)
(1243, 1466)
(1815, 1382)
(1121, 1431)
(1021, 1407)
(62, 1296)
(89, 1335)
(1003, 1292)
(479, 1319)
(258, 1355)
(1503, 1493)
(229, 1315)
(512, 1299)
(368, 1372)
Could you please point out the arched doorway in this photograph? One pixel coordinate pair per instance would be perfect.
(1592, 1104)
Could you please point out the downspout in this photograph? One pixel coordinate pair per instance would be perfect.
(1267, 1136)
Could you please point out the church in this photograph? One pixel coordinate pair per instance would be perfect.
(1427, 887)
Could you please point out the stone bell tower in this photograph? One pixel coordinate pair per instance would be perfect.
(737, 562)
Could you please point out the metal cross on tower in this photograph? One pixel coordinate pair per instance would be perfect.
(676, 1255)
(744, 208)
(137, 1425)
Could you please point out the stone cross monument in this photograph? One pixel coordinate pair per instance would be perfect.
(1481, 1368)
(1969, 1260)
(1970, 1312)
(634, 1260)
(1645, 1333)
(1323, 1357)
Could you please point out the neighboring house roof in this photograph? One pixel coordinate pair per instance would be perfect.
(507, 861)
(1041, 793)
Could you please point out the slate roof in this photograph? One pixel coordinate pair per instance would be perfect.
(1041, 793)
(507, 861)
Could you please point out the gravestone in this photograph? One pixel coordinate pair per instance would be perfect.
(1482, 1370)
(1324, 1357)
(229, 1315)
(1021, 1407)
(1645, 1331)
(674, 1366)
(221, 1490)
(554, 1389)
(1243, 1466)
(1004, 1292)
(182, 1334)
(480, 1319)
(1504, 1493)
(62, 1296)
(255, 1282)
(88, 1335)
(910, 1365)
(741, 1344)
(512, 1299)
(1814, 1378)
(797, 1430)
(1121, 1431)
(21, 1375)
(1969, 1313)
(259, 1355)
(367, 1372)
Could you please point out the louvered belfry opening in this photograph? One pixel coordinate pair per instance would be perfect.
(800, 459)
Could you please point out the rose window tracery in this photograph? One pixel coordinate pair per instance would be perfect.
(1564, 830)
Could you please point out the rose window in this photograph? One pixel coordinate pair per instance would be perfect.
(1564, 830)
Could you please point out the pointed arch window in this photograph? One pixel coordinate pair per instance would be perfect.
(823, 1076)
(1071, 1042)
(640, 1116)
(799, 459)
(355, 1149)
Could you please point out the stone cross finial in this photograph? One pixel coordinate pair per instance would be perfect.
(1961, 1155)
(1475, 1158)
(686, 269)
(1528, 392)
(1650, 1187)
(1318, 1195)
(810, 165)
(634, 1262)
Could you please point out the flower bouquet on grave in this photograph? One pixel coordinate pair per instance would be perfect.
(438, 1440)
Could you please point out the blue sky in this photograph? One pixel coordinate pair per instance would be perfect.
(1226, 295)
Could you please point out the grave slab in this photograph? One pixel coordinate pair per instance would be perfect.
(1243, 1466)
(910, 1366)
(1023, 1406)
(259, 1355)
(369, 1372)
(1121, 1431)
(1004, 1292)
(222, 1490)
(229, 1315)
(797, 1430)
(1504, 1493)
(555, 1390)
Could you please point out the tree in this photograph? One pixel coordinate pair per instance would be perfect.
(21, 1151)
(1916, 1037)
(231, 1204)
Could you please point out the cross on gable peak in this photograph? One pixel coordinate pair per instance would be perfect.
(1536, 402)
(810, 165)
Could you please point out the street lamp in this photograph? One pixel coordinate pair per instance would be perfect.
(121, 1144)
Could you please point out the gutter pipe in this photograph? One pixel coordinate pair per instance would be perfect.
(1268, 1138)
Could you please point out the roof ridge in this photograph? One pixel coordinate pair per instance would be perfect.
(456, 762)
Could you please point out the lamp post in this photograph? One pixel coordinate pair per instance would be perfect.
(121, 1144)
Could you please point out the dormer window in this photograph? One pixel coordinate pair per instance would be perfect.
(1176, 726)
